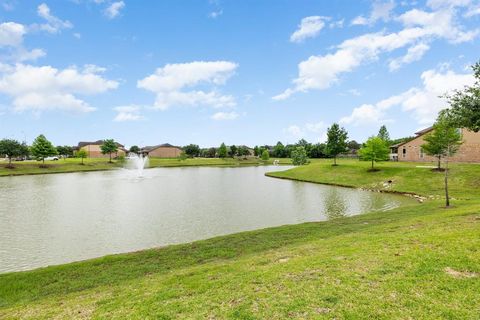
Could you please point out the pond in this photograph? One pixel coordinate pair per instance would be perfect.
(59, 218)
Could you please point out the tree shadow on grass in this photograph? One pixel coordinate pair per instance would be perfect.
(33, 285)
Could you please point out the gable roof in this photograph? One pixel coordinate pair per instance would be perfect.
(418, 134)
(96, 143)
(164, 145)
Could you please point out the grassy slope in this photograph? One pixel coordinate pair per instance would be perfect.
(92, 164)
(380, 265)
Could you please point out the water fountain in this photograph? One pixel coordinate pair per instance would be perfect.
(137, 162)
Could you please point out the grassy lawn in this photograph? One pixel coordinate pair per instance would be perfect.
(416, 262)
(94, 164)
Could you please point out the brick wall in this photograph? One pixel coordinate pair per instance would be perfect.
(165, 152)
(469, 151)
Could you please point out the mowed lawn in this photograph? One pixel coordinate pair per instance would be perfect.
(95, 164)
(420, 261)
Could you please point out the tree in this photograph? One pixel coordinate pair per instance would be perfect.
(336, 141)
(464, 111)
(222, 151)
(134, 149)
(317, 151)
(233, 151)
(375, 149)
(65, 151)
(243, 151)
(192, 150)
(265, 155)
(211, 152)
(256, 151)
(10, 148)
(299, 156)
(383, 134)
(42, 148)
(109, 146)
(443, 141)
(82, 154)
(279, 150)
(353, 146)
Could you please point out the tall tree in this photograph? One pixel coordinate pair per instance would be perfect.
(336, 141)
(383, 134)
(10, 148)
(279, 150)
(42, 148)
(233, 151)
(375, 149)
(222, 151)
(192, 150)
(109, 146)
(443, 141)
(464, 111)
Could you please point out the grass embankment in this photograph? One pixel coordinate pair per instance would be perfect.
(96, 164)
(417, 262)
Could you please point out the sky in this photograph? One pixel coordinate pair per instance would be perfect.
(240, 72)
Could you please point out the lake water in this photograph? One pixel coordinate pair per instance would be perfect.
(59, 218)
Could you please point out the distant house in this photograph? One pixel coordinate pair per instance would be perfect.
(93, 149)
(165, 150)
(411, 150)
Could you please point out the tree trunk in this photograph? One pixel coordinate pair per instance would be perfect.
(372, 163)
(9, 161)
(110, 157)
(439, 166)
(335, 160)
(447, 199)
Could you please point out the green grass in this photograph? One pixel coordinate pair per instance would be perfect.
(417, 262)
(95, 164)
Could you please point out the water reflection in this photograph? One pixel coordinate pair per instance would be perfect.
(53, 219)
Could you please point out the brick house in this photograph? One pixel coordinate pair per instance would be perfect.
(93, 149)
(411, 150)
(165, 150)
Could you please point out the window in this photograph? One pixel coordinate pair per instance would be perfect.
(404, 152)
(422, 154)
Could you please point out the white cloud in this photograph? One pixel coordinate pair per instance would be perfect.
(322, 71)
(422, 103)
(169, 84)
(380, 11)
(46, 88)
(113, 10)
(54, 24)
(316, 131)
(215, 14)
(77, 35)
(225, 116)
(11, 34)
(309, 27)
(414, 53)
(337, 24)
(128, 113)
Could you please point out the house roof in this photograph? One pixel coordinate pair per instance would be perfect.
(419, 133)
(165, 145)
(96, 143)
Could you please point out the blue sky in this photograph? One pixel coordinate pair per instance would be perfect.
(239, 72)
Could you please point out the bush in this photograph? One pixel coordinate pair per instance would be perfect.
(265, 155)
(299, 156)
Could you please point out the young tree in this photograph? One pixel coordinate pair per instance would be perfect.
(464, 111)
(383, 134)
(10, 148)
(109, 146)
(336, 141)
(42, 148)
(82, 154)
(233, 151)
(192, 150)
(375, 149)
(256, 151)
(265, 155)
(299, 156)
(222, 151)
(443, 141)
(134, 149)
